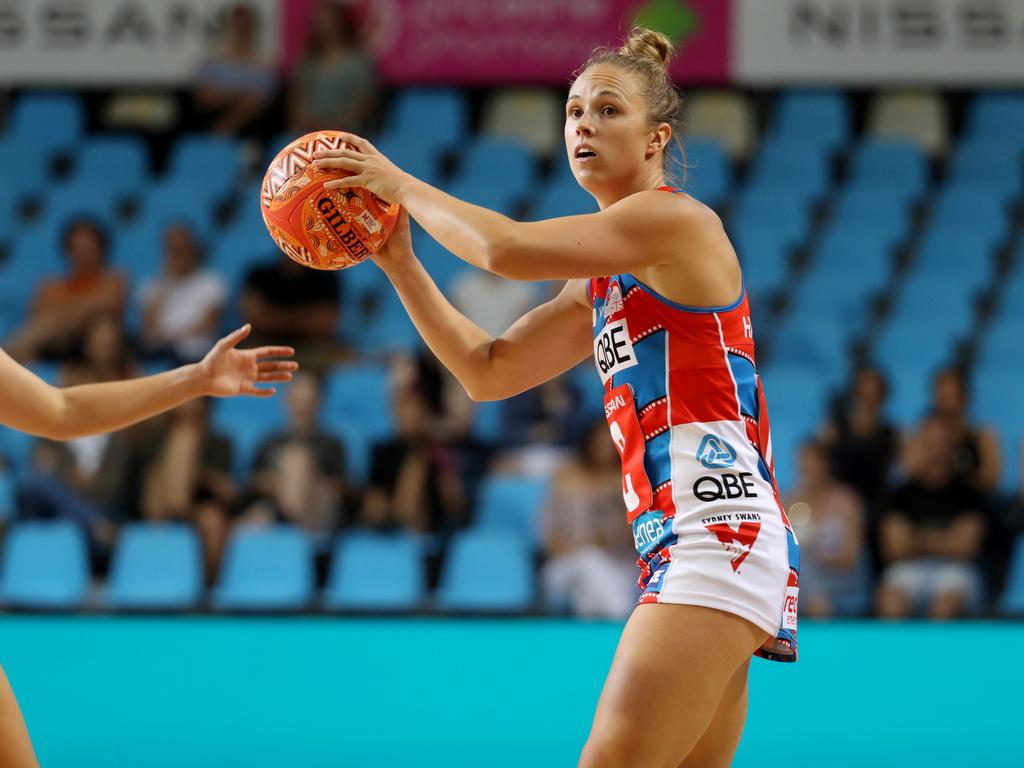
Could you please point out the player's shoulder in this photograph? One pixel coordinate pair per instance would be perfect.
(673, 206)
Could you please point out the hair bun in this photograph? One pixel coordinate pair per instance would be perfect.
(647, 45)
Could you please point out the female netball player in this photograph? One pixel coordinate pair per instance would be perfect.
(655, 292)
(33, 406)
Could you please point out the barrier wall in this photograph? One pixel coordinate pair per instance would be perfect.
(305, 692)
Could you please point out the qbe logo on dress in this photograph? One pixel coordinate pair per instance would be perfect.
(715, 453)
(613, 350)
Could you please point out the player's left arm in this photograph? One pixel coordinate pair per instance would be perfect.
(642, 230)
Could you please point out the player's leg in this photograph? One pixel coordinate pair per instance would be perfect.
(15, 746)
(673, 665)
(719, 742)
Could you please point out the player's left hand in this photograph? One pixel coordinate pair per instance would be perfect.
(370, 169)
(228, 371)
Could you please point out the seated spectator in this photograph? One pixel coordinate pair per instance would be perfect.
(188, 478)
(334, 85)
(490, 301)
(299, 474)
(235, 85)
(92, 480)
(828, 518)
(591, 563)
(414, 477)
(181, 309)
(976, 456)
(931, 535)
(65, 307)
(862, 445)
(293, 305)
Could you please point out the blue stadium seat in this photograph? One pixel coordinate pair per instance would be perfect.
(421, 160)
(155, 566)
(813, 340)
(16, 447)
(434, 118)
(708, 172)
(8, 495)
(513, 504)
(1012, 601)
(45, 565)
(359, 396)
(34, 257)
(248, 422)
(887, 164)
(80, 198)
(486, 570)
(495, 197)
(376, 571)
(941, 301)
(847, 246)
(867, 205)
(797, 397)
(975, 207)
(841, 294)
(996, 401)
(179, 201)
(764, 259)
(499, 162)
(911, 351)
(818, 118)
(957, 254)
(561, 198)
(789, 165)
(772, 207)
(23, 170)
(988, 163)
(139, 252)
(386, 331)
(998, 117)
(117, 162)
(241, 249)
(1000, 347)
(266, 569)
(49, 122)
(210, 163)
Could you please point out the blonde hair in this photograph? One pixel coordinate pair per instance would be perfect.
(648, 53)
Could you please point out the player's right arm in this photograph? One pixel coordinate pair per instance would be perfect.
(543, 343)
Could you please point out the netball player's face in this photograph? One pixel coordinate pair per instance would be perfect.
(607, 131)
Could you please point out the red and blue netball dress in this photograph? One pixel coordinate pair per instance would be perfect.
(687, 413)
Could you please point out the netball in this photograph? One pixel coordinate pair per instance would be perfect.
(317, 227)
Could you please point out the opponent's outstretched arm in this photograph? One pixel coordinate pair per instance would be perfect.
(29, 404)
(642, 230)
(543, 343)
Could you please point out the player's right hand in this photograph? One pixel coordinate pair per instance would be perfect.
(397, 249)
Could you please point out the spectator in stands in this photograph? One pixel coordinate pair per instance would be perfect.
(414, 477)
(235, 85)
(590, 561)
(976, 456)
(188, 478)
(299, 473)
(828, 517)
(862, 445)
(335, 85)
(492, 302)
(931, 534)
(181, 309)
(65, 307)
(295, 306)
(92, 480)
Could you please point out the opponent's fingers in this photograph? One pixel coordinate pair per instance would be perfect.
(274, 376)
(358, 142)
(332, 154)
(236, 336)
(277, 366)
(348, 181)
(257, 392)
(262, 352)
(344, 163)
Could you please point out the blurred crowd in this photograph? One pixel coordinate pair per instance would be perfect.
(891, 523)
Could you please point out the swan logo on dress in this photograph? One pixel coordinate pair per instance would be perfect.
(715, 453)
(613, 301)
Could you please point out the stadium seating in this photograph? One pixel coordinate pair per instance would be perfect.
(248, 422)
(1012, 601)
(45, 565)
(47, 123)
(155, 567)
(436, 117)
(920, 117)
(122, 162)
(513, 504)
(486, 570)
(376, 572)
(266, 569)
(814, 118)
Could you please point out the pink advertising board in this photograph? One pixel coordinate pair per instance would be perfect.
(524, 41)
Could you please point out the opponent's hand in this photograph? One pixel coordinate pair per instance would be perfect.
(370, 169)
(228, 371)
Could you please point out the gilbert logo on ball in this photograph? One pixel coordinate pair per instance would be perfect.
(317, 227)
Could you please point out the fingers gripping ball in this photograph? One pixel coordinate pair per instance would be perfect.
(317, 227)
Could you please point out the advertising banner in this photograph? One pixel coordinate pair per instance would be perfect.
(115, 42)
(536, 41)
(879, 41)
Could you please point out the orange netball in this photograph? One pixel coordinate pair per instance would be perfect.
(317, 227)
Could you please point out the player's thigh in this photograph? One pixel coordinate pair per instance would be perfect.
(15, 746)
(672, 666)
(721, 738)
